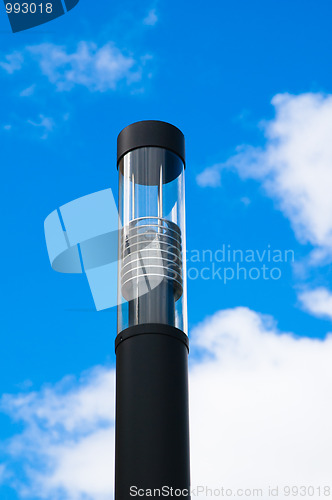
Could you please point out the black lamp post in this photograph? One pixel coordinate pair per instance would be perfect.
(152, 419)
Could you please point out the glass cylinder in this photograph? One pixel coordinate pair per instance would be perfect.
(152, 284)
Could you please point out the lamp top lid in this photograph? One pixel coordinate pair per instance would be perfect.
(151, 133)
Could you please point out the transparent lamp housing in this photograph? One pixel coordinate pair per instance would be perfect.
(152, 284)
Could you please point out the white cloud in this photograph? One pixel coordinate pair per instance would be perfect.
(151, 19)
(317, 302)
(7, 127)
(28, 91)
(13, 62)
(68, 441)
(97, 68)
(260, 405)
(261, 415)
(46, 124)
(246, 201)
(2, 473)
(294, 166)
(210, 177)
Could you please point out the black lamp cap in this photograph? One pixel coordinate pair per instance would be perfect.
(151, 133)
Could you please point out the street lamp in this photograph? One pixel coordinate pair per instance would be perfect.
(152, 418)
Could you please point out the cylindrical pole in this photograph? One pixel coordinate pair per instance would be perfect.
(152, 417)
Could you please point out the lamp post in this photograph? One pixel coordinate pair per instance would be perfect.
(152, 418)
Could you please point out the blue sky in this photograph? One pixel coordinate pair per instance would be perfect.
(258, 176)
